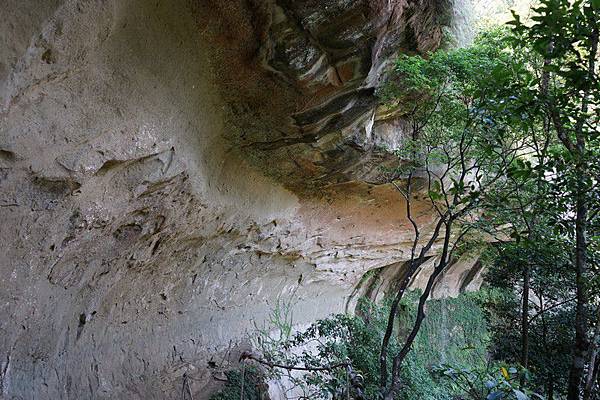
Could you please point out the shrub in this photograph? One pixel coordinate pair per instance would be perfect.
(454, 332)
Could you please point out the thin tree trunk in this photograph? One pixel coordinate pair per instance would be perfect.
(581, 343)
(383, 377)
(413, 266)
(550, 379)
(593, 354)
(525, 319)
(414, 263)
(581, 211)
(399, 358)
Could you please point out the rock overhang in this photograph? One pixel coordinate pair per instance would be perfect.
(168, 169)
(324, 62)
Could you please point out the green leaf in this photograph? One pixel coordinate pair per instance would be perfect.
(520, 395)
(497, 395)
(434, 195)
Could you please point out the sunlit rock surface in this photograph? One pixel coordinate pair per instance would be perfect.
(169, 169)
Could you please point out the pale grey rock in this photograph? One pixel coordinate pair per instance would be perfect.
(169, 169)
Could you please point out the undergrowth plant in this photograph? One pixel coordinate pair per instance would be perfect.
(494, 382)
(454, 334)
(246, 383)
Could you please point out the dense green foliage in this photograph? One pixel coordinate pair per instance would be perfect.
(249, 380)
(551, 323)
(534, 88)
(490, 383)
(464, 139)
(454, 334)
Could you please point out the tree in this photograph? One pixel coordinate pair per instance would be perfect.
(565, 34)
(550, 313)
(462, 144)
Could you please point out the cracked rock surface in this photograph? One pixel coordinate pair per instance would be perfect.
(169, 169)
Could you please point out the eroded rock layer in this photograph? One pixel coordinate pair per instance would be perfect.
(169, 169)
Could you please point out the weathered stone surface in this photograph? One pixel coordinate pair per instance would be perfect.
(169, 169)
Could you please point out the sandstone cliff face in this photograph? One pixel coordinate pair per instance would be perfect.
(168, 169)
